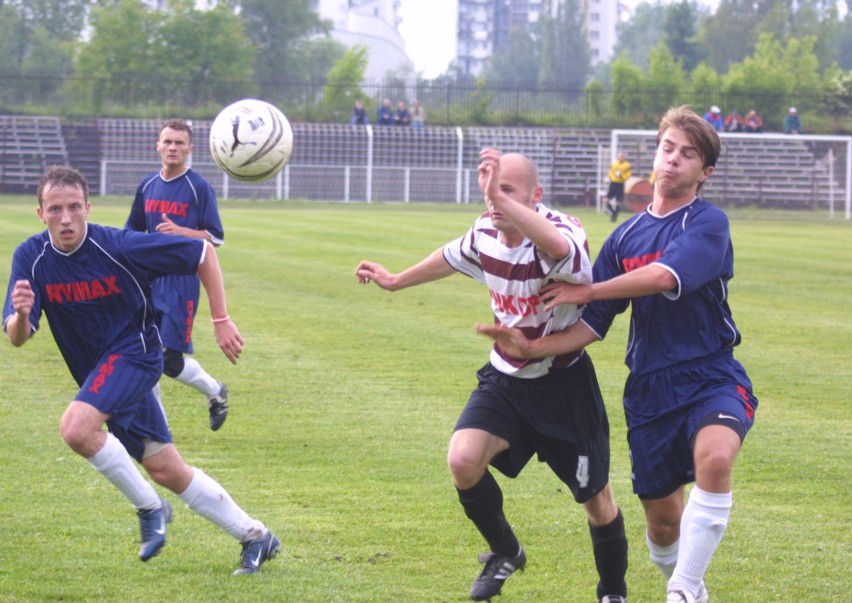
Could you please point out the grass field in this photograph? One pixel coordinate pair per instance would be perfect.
(344, 400)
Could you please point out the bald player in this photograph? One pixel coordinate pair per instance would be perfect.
(551, 406)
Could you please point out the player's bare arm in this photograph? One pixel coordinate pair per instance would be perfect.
(647, 280)
(515, 343)
(511, 194)
(432, 268)
(18, 328)
(227, 335)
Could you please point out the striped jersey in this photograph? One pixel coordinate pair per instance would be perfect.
(694, 319)
(97, 298)
(514, 276)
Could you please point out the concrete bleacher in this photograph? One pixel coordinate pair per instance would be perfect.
(769, 170)
(28, 146)
(437, 164)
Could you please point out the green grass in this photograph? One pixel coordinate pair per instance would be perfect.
(345, 398)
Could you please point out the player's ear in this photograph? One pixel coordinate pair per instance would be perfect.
(538, 193)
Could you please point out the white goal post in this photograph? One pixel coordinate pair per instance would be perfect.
(769, 170)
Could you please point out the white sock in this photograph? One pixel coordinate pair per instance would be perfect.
(665, 557)
(195, 376)
(702, 526)
(206, 497)
(114, 463)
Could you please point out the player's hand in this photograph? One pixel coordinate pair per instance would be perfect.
(23, 298)
(368, 272)
(555, 294)
(229, 339)
(489, 172)
(511, 340)
(167, 226)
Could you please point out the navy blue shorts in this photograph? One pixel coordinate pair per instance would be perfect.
(560, 417)
(665, 409)
(122, 387)
(176, 302)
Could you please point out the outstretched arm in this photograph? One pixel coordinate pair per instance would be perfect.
(227, 335)
(18, 327)
(515, 343)
(432, 268)
(647, 280)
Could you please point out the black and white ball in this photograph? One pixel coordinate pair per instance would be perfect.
(251, 140)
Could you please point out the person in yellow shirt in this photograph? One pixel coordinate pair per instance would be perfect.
(619, 173)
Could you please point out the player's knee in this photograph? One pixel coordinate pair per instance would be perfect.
(173, 363)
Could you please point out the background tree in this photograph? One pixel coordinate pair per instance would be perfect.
(343, 87)
(641, 33)
(280, 29)
(215, 54)
(680, 27)
(628, 90)
(761, 82)
(842, 41)
(705, 90)
(666, 80)
(36, 44)
(565, 55)
(517, 63)
(729, 35)
(172, 56)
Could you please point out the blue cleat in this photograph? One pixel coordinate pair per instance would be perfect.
(152, 524)
(255, 552)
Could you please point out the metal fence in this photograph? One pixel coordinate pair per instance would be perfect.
(447, 101)
(333, 162)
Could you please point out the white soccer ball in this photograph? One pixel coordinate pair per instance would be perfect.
(251, 140)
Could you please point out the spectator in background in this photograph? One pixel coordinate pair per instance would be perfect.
(418, 115)
(384, 116)
(359, 114)
(734, 122)
(714, 118)
(753, 122)
(402, 117)
(792, 123)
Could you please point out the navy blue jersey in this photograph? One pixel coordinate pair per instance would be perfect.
(189, 201)
(97, 298)
(693, 320)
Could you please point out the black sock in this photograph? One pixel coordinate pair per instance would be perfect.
(483, 505)
(610, 546)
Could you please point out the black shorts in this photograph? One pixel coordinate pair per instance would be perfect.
(616, 191)
(560, 417)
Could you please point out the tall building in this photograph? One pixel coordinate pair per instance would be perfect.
(373, 23)
(484, 27)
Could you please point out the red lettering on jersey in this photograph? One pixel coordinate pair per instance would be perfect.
(161, 206)
(82, 290)
(104, 371)
(519, 306)
(630, 264)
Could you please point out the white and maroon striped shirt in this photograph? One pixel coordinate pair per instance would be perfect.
(514, 276)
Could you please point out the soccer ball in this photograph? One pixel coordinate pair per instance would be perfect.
(251, 140)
